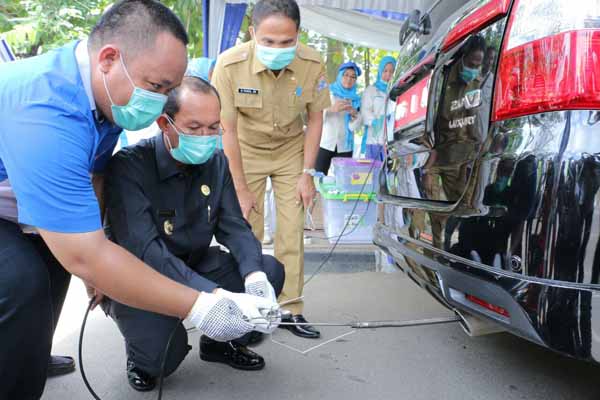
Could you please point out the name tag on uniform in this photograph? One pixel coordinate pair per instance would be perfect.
(247, 91)
(167, 213)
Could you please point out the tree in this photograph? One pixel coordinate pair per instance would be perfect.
(34, 26)
(190, 13)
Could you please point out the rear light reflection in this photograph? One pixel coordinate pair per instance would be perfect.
(477, 19)
(488, 306)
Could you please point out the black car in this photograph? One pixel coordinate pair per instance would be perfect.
(491, 185)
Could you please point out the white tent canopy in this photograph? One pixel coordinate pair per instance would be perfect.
(352, 27)
(401, 6)
(341, 20)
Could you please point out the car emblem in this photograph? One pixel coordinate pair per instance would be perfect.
(472, 99)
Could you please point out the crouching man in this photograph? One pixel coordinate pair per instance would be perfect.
(166, 198)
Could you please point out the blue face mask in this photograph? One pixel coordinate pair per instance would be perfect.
(468, 75)
(274, 58)
(142, 109)
(193, 149)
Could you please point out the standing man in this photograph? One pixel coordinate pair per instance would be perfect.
(266, 85)
(62, 113)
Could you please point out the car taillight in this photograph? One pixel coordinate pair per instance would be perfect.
(550, 59)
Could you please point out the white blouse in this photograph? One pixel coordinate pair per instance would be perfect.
(334, 129)
(373, 108)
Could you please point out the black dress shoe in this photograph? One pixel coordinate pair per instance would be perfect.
(255, 338)
(233, 354)
(305, 331)
(138, 379)
(60, 365)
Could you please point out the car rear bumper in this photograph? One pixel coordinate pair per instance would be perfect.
(561, 316)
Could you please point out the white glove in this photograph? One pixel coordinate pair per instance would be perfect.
(219, 318)
(257, 284)
(260, 312)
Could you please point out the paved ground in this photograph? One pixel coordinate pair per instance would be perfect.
(420, 363)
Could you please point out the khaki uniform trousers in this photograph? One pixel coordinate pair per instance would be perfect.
(284, 167)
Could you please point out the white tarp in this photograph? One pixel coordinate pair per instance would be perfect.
(401, 6)
(339, 19)
(352, 27)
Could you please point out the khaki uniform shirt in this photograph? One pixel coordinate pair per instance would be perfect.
(268, 108)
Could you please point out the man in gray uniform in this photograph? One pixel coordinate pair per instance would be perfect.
(166, 198)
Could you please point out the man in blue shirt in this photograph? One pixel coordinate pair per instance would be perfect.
(62, 114)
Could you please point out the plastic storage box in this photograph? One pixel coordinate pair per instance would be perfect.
(351, 175)
(339, 209)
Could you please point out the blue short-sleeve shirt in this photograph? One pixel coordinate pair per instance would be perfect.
(51, 142)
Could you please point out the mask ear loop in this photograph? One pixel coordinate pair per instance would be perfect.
(106, 88)
(174, 127)
(126, 74)
(125, 69)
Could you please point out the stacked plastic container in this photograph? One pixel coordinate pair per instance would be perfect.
(349, 209)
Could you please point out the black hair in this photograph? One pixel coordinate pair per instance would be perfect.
(192, 83)
(267, 8)
(475, 43)
(135, 24)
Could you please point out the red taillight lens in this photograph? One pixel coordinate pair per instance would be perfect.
(560, 71)
(488, 306)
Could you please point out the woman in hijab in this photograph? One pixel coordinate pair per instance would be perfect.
(201, 67)
(373, 110)
(342, 119)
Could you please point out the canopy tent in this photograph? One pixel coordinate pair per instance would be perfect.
(369, 23)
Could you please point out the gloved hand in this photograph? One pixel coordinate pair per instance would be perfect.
(219, 318)
(257, 284)
(259, 311)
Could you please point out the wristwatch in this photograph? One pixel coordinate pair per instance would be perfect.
(309, 171)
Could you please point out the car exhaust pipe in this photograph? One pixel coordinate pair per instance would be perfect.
(475, 326)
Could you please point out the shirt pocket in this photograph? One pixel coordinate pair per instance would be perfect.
(298, 100)
(247, 102)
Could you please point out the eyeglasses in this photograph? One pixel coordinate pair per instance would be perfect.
(205, 132)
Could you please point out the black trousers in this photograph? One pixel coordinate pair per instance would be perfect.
(146, 333)
(33, 286)
(324, 157)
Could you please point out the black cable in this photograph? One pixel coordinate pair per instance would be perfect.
(164, 360)
(81, 369)
(330, 253)
(87, 384)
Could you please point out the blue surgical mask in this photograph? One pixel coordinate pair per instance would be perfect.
(468, 75)
(193, 149)
(275, 58)
(142, 109)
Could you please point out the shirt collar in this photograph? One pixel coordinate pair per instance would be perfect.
(83, 63)
(167, 166)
